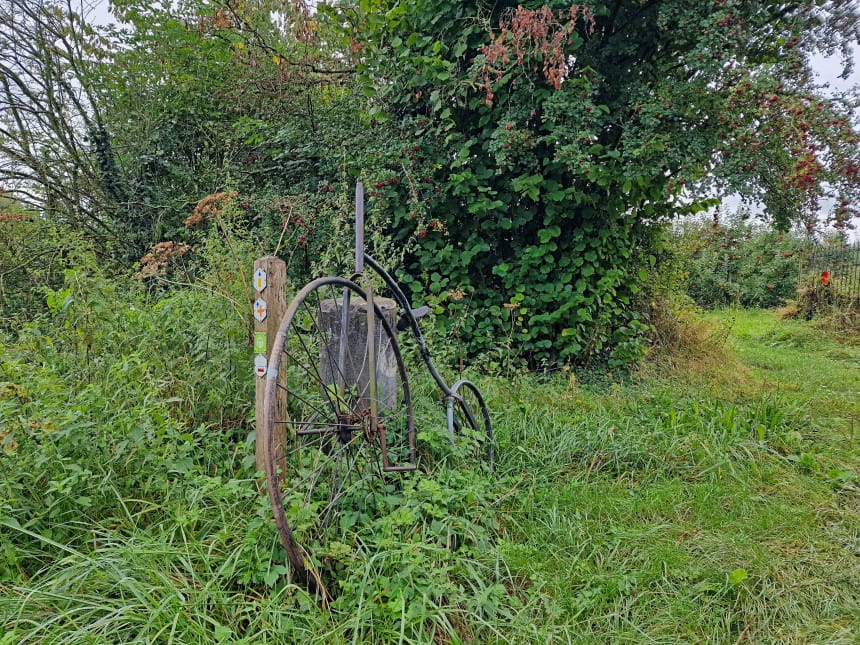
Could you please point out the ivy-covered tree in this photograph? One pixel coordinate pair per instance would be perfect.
(539, 147)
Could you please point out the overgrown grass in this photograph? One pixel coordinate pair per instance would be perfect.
(704, 500)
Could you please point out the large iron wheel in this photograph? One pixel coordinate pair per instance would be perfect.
(326, 472)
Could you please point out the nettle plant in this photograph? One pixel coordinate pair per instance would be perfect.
(532, 153)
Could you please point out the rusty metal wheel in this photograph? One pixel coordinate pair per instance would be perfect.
(327, 458)
(469, 422)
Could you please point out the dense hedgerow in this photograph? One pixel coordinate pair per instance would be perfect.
(739, 264)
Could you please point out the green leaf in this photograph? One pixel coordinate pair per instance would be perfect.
(737, 576)
(222, 632)
(545, 235)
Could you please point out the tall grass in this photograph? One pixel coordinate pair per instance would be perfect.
(666, 507)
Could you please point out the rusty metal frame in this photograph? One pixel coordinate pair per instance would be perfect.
(366, 420)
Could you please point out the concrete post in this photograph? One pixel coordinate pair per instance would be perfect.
(355, 371)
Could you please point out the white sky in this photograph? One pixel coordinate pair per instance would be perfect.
(828, 70)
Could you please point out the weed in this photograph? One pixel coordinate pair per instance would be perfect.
(665, 506)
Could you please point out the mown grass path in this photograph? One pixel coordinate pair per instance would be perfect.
(715, 506)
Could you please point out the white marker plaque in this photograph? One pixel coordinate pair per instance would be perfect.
(259, 280)
(260, 365)
(260, 310)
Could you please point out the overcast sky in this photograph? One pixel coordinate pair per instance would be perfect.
(828, 70)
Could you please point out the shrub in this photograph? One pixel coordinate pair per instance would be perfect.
(32, 256)
(739, 264)
(831, 305)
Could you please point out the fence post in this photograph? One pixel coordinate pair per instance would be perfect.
(270, 303)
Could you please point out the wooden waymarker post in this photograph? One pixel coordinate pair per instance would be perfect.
(269, 305)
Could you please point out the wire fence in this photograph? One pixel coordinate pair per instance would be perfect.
(836, 266)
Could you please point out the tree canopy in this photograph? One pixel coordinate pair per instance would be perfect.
(547, 143)
(525, 157)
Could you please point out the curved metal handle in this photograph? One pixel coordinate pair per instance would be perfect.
(403, 301)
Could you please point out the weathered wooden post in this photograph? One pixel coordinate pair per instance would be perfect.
(270, 274)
